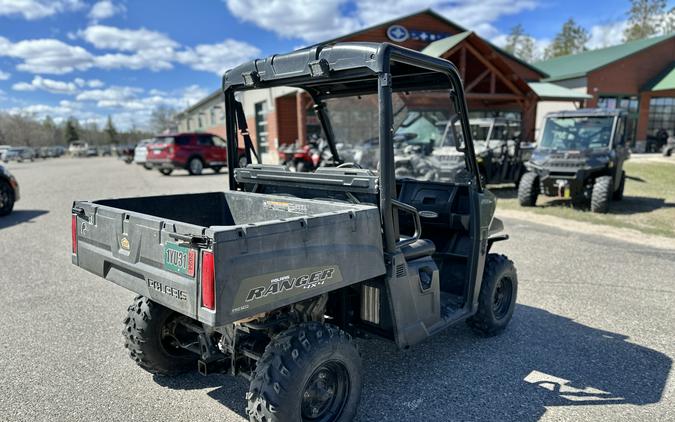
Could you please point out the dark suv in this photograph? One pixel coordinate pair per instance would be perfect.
(190, 151)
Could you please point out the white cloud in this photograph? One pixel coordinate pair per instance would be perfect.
(4, 75)
(36, 9)
(606, 35)
(92, 83)
(46, 55)
(217, 58)
(313, 20)
(105, 9)
(110, 37)
(150, 49)
(49, 85)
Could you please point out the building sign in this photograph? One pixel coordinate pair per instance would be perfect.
(399, 33)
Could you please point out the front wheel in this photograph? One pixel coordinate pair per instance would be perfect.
(528, 190)
(217, 169)
(602, 194)
(166, 172)
(497, 297)
(6, 198)
(152, 334)
(310, 372)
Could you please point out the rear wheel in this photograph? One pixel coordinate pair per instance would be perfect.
(6, 198)
(310, 372)
(166, 172)
(152, 333)
(497, 297)
(618, 194)
(195, 166)
(528, 190)
(667, 151)
(217, 168)
(602, 194)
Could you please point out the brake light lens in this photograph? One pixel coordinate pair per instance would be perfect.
(208, 280)
(73, 232)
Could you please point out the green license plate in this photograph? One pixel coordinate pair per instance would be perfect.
(179, 259)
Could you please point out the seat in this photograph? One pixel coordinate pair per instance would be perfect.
(418, 249)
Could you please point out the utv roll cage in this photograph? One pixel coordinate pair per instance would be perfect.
(350, 69)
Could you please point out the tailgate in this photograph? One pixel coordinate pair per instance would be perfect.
(148, 255)
(159, 151)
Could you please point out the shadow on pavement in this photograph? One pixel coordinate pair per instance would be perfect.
(20, 216)
(541, 360)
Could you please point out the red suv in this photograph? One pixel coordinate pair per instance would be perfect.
(190, 151)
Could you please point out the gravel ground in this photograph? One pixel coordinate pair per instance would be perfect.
(591, 339)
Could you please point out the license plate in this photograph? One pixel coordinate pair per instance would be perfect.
(179, 259)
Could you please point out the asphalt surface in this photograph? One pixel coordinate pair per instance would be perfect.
(592, 337)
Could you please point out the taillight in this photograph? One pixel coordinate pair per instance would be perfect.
(208, 280)
(73, 232)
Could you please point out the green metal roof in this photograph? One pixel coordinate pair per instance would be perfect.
(664, 81)
(549, 91)
(439, 47)
(578, 65)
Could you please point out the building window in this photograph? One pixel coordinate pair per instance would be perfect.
(661, 117)
(261, 125)
(199, 122)
(628, 103)
(213, 116)
(188, 125)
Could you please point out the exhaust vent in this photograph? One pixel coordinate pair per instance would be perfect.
(401, 271)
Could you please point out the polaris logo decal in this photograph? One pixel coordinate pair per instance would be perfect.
(287, 283)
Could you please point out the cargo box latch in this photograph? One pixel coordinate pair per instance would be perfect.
(199, 241)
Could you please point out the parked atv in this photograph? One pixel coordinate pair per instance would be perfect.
(501, 156)
(274, 278)
(580, 156)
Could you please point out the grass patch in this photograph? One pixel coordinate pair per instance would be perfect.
(648, 204)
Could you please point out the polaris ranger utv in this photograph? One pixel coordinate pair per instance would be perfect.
(272, 279)
(499, 152)
(580, 156)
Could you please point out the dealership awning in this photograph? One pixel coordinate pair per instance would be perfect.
(552, 92)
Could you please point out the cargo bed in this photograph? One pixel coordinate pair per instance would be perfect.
(268, 250)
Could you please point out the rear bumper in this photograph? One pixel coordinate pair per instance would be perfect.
(165, 164)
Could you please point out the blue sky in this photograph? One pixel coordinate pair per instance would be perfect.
(123, 58)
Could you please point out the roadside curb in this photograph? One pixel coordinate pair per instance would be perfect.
(618, 233)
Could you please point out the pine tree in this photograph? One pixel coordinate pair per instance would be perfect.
(70, 134)
(645, 18)
(571, 39)
(110, 131)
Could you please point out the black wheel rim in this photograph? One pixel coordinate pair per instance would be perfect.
(325, 393)
(502, 297)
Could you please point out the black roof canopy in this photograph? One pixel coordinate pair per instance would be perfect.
(341, 69)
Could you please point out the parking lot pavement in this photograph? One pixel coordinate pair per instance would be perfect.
(591, 338)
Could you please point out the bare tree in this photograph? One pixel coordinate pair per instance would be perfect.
(163, 118)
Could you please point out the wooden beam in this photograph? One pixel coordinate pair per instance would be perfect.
(462, 62)
(493, 83)
(496, 97)
(492, 67)
(477, 80)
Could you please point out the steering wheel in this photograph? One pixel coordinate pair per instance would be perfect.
(349, 166)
